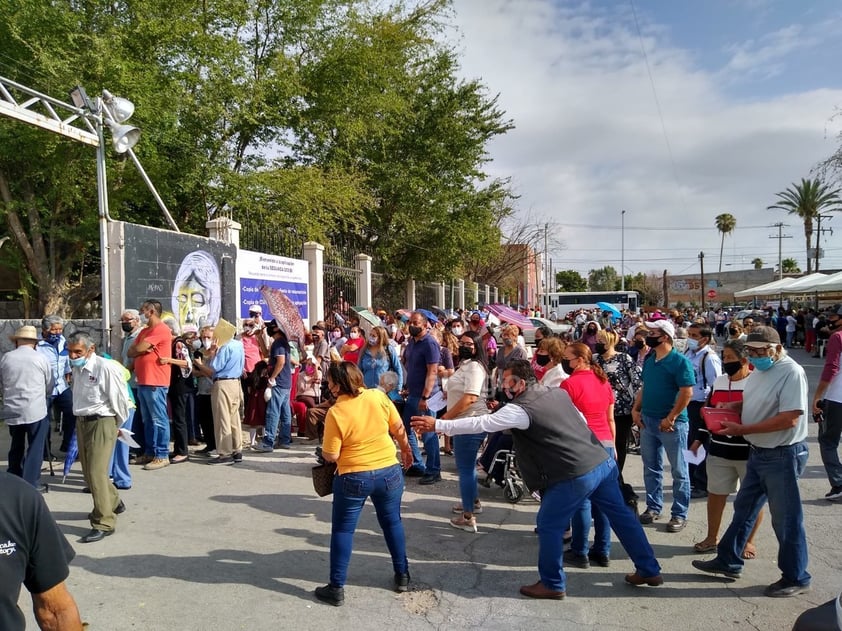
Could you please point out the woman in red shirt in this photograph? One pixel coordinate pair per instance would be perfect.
(593, 396)
(351, 350)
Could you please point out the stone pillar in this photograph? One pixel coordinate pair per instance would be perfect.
(364, 297)
(460, 294)
(474, 295)
(496, 295)
(487, 294)
(440, 297)
(224, 229)
(410, 294)
(314, 254)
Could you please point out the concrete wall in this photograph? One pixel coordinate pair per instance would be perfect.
(8, 328)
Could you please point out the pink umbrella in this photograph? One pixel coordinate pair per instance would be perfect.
(285, 313)
(507, 314)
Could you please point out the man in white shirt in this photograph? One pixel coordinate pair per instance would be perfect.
(26, 381)
(101, 406)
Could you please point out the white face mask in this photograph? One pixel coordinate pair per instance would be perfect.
(456, 330)
(206, 343)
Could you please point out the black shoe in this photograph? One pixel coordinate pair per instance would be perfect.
(237, 456)
(698, 494)
(43, 488)
(96, 535)
(86, 489)
(121, 508)
(784, 589)
(414, 472)
(574, 559)
(599, 559)
(402, 582)
(835, 493)
(430, 478)
(221, 460)
(715, 567)
(331, 595)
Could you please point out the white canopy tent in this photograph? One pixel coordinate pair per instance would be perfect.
(805, 284)
(831, 283)
(769, 289)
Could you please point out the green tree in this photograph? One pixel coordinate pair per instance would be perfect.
(790, 266)
(570, 280)
(757, 262)
(603, 279)
(807, 201)
(725, 223)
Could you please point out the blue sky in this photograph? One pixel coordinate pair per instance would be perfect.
(747, 90)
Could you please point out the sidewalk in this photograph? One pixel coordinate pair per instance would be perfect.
(243, 547)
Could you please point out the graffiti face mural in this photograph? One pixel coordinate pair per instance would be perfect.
(197, 290)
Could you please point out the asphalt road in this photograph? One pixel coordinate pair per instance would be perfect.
(243, 547)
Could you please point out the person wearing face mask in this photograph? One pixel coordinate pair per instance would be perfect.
(467, 390)
(638, 349)
(707, 367)
(827, 401)
(60, 404)
(774, 422)
(735, 331)
(101, 405)
(350, 351)
(561, 458)
(727, 455)
(378, 357)
(278, 411)
(508, 352)
(204, 385)
(548, 358)
(131, 326)
(337, 339)
(589, 332)
(660, 411)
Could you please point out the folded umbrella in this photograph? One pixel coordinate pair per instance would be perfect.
(70, 456)
(367, 319)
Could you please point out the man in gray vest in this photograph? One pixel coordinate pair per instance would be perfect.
(560, 458)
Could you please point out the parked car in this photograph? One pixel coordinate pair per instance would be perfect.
(758, 315)
(529, 334)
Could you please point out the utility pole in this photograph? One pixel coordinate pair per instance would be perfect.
(819, 231)
(622, 250)
(702, 279)
(546, 272)
(780, 226)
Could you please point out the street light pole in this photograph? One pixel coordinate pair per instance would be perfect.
(622, 250)
(702, 280)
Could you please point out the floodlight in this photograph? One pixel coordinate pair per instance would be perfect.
(124, 137)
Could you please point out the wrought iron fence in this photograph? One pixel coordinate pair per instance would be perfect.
(271, 241)
(387, 293)
(340, 283)
(426, 295)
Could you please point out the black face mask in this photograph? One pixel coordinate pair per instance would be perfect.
(466, 353)
(542, 360)
(639, 343)
(565, 366)
(127, 327)
(653, 342)
(731, 368)
(834, 324)
(414, 331)
(591, 331)
(733, 331)
(600, 348)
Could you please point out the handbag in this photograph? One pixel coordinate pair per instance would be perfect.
(323, 478)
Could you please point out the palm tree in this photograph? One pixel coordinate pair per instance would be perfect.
(808, 200)
(758, 263)
(790, 266)
(725, 223)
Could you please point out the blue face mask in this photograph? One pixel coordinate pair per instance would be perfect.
(761, 363)
(78, 362)
(692, 344)
(54, 338)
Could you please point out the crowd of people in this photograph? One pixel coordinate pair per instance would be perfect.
(572, 408)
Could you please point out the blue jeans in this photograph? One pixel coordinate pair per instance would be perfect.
(410, 409)
(771, 474)
(829, 433)
(582, 527)
(558, 505)
(119, 466)
(279, 409)
(25, 461)
(465, 448)
(153, 405)
(653, 444)
(385, 487)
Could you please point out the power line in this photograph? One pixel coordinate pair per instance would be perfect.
(652, 228)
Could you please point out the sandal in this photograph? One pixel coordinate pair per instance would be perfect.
(749, 552)
(704, 546)
(179, 459)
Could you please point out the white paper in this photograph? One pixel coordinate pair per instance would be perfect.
(695, 458)
(436, 402)
(125, 435)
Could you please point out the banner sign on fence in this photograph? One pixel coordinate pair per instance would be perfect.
(254, 270)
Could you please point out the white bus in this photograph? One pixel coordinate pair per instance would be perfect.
(566, 301)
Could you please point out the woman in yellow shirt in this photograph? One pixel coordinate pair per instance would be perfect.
(357, 437)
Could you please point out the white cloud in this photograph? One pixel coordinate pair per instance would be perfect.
(588, 140)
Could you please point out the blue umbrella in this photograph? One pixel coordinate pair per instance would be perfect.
(70, 456)
(609, 307)
(432, 317)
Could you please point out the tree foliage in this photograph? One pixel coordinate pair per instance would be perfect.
(725, 223)
(807, 201)
(790, 266)
(604, 279)
(757, 262)
(570, 280)
(323, 119)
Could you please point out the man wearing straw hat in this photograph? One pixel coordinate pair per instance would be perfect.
(26, 381)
